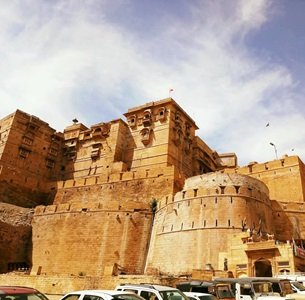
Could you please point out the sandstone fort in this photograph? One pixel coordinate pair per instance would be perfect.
(143, 195)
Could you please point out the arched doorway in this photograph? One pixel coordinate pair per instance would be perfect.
(263, 268)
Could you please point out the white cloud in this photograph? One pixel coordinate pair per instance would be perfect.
(67, 59)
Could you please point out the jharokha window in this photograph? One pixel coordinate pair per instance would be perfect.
(26, 140)
(23, 153)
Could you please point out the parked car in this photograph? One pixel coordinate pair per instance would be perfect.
(200, 296)
(219, 290)
(20, 293)
(199, 286)
(297, 287)
(101, 295)
(153, 291)
(251, 288)
(292, 277)
(284, 288)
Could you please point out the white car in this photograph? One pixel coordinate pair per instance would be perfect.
(101, 295)
(199, 296)
(153, 291)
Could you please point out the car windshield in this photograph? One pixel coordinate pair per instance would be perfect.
(223, 291)
(207, 297)
(31, 296)
(299, 286)
(286, 286)
(173, 295)
(262, 287)
(127, 297)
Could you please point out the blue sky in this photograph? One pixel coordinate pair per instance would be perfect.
(234, 66)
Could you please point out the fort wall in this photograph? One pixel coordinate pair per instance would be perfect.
(284, 177)
(15, 236)
(135, 186)
(285, 180)
(193, 226)
(85, 239)
(98, 219)
(289, 219)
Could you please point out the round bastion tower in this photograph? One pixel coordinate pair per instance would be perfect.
(192, 228)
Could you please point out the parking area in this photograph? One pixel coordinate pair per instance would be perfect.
(53, 297)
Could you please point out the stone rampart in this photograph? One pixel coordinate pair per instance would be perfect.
(192, 227)
(139, 186)
(87, 239)
(15, 236)
(278, 175)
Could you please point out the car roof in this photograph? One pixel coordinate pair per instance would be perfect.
(149, 286)
(16, 290)
(195, 283)
(108, 292)
(197, 294)
(241, 280)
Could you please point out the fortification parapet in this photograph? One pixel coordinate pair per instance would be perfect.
(115, 206)
(288, 206)
(254, 167)
(220, 184)
(224, 179)
(278, 175)
(113, 177)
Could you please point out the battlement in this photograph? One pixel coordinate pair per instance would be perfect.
(295, 207)
(90, 208)
(254, 167)
(114, 177)
(219, 185)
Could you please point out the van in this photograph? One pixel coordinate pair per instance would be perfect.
(251, 288)
(219, 290)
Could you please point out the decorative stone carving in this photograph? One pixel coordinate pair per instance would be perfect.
(187, 144)
(132, 121)
(178, 120)
(146, 135)
(177, 136)
(147, 119)
(96, 150)
(102, 130)
(188, 127)
(161, 114)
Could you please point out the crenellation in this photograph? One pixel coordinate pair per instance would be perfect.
(50, 209)
(39, 209)
(201, 191)
(63, 207)
(230, 190)
(79, 182)
(188, 194)
(130, 210)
